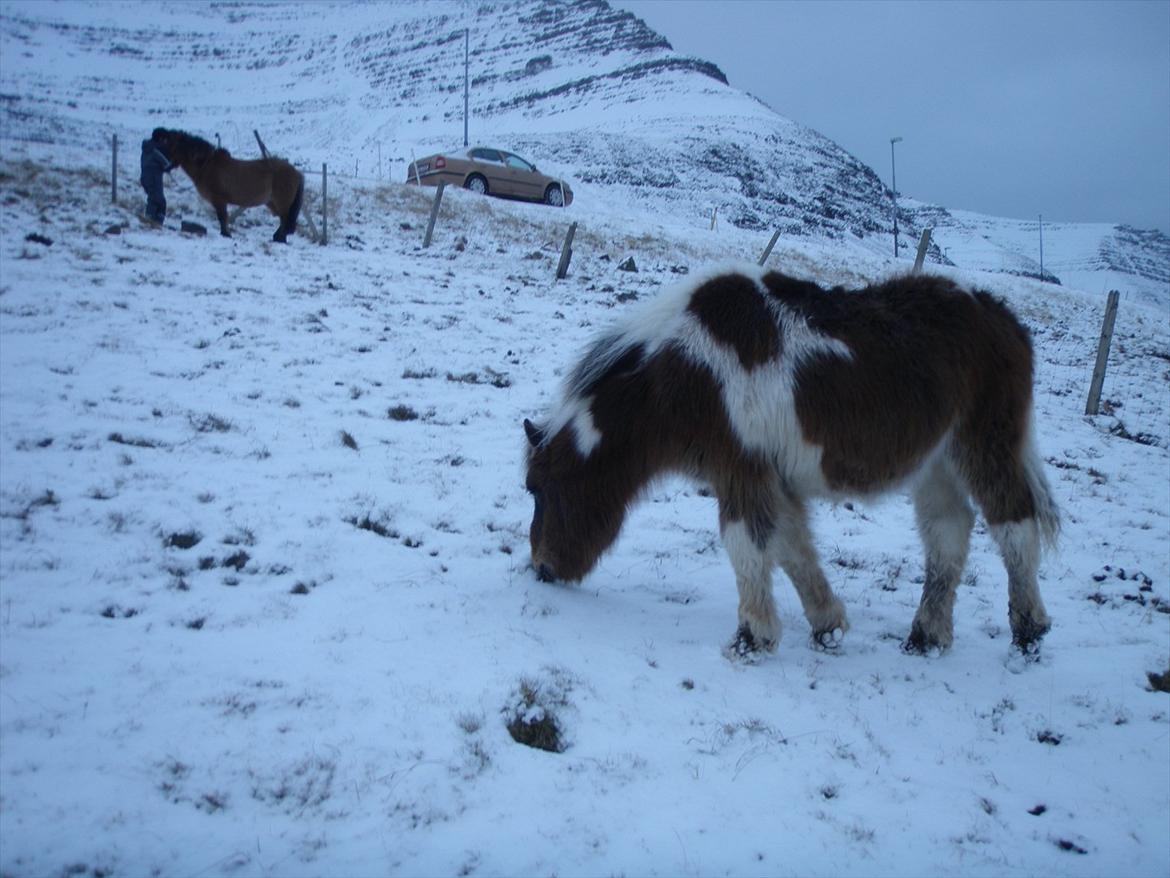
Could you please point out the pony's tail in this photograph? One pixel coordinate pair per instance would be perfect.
(1047, 512)
(294, 209)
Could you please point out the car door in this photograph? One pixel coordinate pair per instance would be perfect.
(523, 178)
(490, 163)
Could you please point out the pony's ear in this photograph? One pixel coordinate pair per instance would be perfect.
(534, 433)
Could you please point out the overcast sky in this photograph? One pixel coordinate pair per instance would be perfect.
(1007, 108)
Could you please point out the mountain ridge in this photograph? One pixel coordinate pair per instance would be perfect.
(588, 90)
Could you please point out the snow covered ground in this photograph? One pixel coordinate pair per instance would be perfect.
(265, 604)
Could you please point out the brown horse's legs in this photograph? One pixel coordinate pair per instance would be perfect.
(221, 215)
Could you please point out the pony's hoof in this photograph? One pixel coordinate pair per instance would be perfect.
(830, 640)
(921, 643)
(1026, 636)
(747, 648)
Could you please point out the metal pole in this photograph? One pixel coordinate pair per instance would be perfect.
(466, 65)
(114, 174)
(324, 204)
(894, 187)
(1092, 406)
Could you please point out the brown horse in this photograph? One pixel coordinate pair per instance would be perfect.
(223, 180)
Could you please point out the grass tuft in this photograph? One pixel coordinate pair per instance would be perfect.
(532, 720)
(402, 413)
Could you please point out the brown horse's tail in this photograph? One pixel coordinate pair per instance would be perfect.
(294, 209)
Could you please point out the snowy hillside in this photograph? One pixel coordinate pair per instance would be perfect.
(266, 608)
(582, 89)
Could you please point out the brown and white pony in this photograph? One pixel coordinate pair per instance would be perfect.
(223, 180)
(771, 391)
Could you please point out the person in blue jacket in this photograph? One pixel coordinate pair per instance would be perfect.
(155, 162)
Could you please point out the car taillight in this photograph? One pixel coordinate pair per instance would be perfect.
(440, 162)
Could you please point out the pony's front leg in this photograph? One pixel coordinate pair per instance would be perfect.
(793, 548)
(222, 216)
(759, 626)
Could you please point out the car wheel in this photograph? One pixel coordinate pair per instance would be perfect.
(476, 184)
(554, 195)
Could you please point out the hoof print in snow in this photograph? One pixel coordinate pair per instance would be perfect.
(183, 540)
(113, 611)
(236, 561)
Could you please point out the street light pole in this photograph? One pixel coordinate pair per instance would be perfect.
(894, 187)
(466, 42)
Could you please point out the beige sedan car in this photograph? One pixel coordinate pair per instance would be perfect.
(490, 172)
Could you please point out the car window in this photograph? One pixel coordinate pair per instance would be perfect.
(486, 155)
(514, 161)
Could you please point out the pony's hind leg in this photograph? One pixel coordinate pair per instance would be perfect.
(945, 520)
(1019, 544)
(1015, 499)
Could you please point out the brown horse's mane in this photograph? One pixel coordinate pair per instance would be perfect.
(193, 146)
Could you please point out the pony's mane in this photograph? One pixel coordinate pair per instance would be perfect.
(631, 341)
(194, 144)
(607, 354)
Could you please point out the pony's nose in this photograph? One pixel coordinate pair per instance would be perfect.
(545, 574)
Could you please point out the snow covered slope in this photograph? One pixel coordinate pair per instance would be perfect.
(579, 87)
(266, 606)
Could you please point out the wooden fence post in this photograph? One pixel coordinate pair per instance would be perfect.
(324, 204)
(1093, 405)
(714, 216)
(434, 214)
(263, 148)
(566, 253)
(923, 246)
(114, 174)
(771, 244)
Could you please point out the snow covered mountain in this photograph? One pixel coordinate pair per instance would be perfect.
(585, 89)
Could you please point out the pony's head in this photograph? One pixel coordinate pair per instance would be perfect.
(579, 504)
